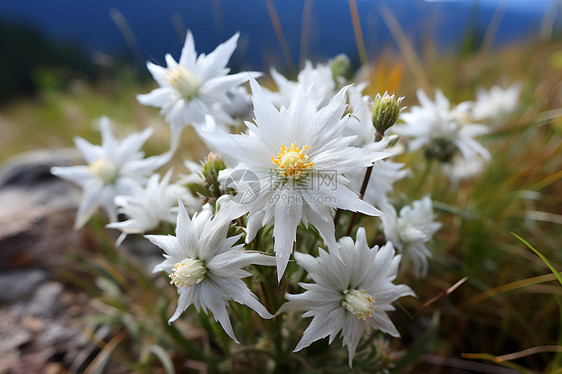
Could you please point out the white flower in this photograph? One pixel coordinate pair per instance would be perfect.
(147, 206)
(240, 104)
(437, 125)
(114, 168)
(351, 295)
(194, 86)
(206, 266)
(318, 79)
(410, 231)
(496, 104)
(290, 168)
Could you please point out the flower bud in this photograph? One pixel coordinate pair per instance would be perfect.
(341, 67)
(385, 111)
(213, 164)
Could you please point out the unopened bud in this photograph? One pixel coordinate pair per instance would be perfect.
(211, 168)
(385, 110)
(213, 164)
(341, 67)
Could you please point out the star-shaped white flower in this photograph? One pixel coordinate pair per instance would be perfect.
(410, 231)
(319, 77)
(291, 166)
(147, 206)
(436, 124)
(206, 266)
(351, 295)
(497, 103)
(195, 86)
(114, 168)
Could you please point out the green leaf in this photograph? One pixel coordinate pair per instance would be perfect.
(543, 257)
(164, 358)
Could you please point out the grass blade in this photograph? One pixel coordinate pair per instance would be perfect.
(543, 257)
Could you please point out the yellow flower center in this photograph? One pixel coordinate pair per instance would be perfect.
(188, 272)
(103, 170)
(359, 303)
(291, 162)
(183, 81)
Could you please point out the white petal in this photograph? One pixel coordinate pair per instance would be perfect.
(169, 244)
(91, 197)
(185, 231)
(215, 62)
(159, 74)
(287, 218)
(211, 297)
(158, 97)
(183, 303)
(222, 84)
(188, 53)
(77, 174)
(319, 328)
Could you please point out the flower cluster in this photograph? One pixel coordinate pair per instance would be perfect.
(283, 186)
(447, 133)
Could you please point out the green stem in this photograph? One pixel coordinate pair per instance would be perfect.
(423, 177)
(215, 330)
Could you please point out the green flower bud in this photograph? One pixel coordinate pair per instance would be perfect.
(385, 111)
(213, 164)
(341, 67)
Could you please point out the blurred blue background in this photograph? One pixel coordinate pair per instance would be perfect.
(102, 34)
(149, 29)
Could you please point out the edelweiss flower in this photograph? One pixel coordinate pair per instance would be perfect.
(240, 104)
(319, 79)
(410, 231)
(194, 86)
(351, 295)
(114, 168)
(206, 266)
(290, 168)
(496, 104)
(441, 129)
(147, 206)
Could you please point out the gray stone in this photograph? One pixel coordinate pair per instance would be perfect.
(18, 284)
(38, 209)
(33, 167)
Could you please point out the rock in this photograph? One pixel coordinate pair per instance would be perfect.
(45, 303)
(42, 321)
(34, 166)
(18, 284)
(37, 215)
(44, 325)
